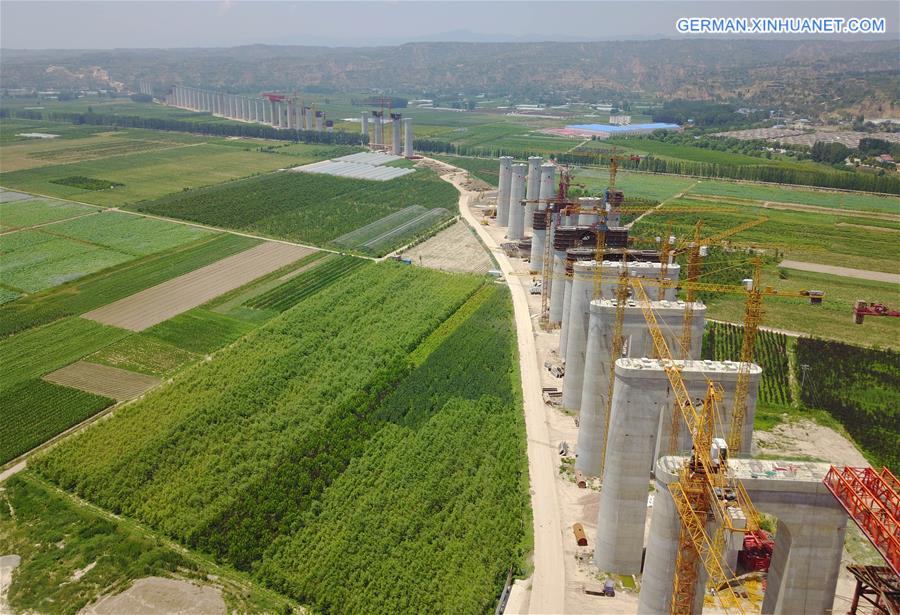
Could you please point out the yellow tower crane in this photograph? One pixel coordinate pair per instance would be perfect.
(705, 486)
(754, 293)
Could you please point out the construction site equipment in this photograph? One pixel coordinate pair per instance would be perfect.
(705, 487)
(861, 309)
(872, 499)
(757, 552)
(754, 292)
(879, 587)
(580, 536)
(622, 291)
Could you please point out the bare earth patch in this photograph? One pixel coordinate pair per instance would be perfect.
(112, 382)
(157, 595)
(8, 563)
(453, 249)
(805, 438)
(154, 305)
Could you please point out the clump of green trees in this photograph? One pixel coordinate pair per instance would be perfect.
(860, 387)
(332, 458)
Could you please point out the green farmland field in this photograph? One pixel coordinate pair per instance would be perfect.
(831, 320)
(29, 212)
(72, 554)
(252, 455)
(127, 233)
(34, 260)
(304, 207)
(199, 330)
(146, 175)
(40, 351)
(35, 410)
(113, 284)
(785, 194)
(145, 354)
(859, 243)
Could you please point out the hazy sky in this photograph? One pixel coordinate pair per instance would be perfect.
(103, 25)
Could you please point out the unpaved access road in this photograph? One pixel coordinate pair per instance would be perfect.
(548, 585)
(112, 382)
(162, 302)
(862, 274)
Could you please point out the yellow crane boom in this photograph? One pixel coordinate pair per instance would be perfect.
(705, 485)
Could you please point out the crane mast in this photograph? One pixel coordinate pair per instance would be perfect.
(704, 487)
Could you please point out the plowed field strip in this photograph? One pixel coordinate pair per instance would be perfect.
(161, 302)
(112, 382)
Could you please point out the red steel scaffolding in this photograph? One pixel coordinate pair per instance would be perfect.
(872, 499)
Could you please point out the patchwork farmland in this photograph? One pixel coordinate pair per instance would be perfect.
(248, 366)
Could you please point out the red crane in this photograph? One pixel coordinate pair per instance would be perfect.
(861, 309)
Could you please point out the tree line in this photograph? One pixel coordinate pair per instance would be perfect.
(204, 127)
(761, 173)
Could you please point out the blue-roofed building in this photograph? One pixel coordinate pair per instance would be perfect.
(607, 130)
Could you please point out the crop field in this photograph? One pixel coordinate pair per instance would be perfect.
(34, 260)
(39, 152)
(50, 410)
(395, 229)
(307, 208)
(199, 331)
(29, 212)
(291, 292)
(103, 380)
(146, 175)
(645, 185)
(485, 169)
(830, 320)
(144, 354)
(163, 301)
(10, 129)
(35, 353)
(815, 237)
(685, 152)
(7, 295)
(254, 464)
(722, 342)
(99, 555)
(112, 284)
(790, 194)
(128, 233)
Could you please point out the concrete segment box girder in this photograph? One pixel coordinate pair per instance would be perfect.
(642, 404)
(809, 539)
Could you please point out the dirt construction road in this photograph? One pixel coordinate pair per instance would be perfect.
(548, 582)
(861, 274)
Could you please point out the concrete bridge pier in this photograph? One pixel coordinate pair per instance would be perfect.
(809, 539)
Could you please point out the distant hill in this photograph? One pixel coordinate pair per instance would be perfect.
(808, 76)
